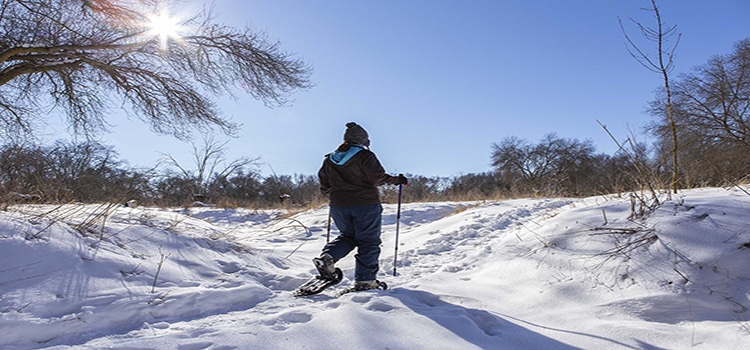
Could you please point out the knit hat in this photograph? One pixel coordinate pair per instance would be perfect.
(356, 134)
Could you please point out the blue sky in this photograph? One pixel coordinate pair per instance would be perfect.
(437, 82)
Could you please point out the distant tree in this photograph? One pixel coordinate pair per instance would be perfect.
(615, 173)
(663, 64)
(23, 169)
(553, 166)
(87, 56)
(306, 190)
(475, 186)
(275, 187)
(86, 172)
(172, 189)
(242, 188)
(513, 161)
(422, 188)
(211, 166)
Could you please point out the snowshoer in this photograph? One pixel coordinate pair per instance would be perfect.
(350, 177)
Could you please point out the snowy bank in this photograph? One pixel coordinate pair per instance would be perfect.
(553, 273)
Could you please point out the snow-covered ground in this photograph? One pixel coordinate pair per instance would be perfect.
(519, 274)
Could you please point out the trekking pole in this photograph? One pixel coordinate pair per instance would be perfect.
(398, 219)
(328, 234)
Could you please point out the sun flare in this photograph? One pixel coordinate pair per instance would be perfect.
(164, 26)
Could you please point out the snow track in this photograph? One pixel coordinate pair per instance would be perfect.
(460, 241)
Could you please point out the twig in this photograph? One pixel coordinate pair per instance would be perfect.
(295, 250)
(739, 186)
(156, 276)
(618, 230)
(681, 275)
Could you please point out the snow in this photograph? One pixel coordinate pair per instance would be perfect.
(547, 273)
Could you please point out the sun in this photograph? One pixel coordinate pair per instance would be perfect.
(164, 26)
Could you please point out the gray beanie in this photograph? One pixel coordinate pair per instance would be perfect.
(356, 134)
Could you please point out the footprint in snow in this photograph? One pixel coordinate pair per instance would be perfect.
(380, 306)
(296, 317)
(228, 267)
(280, 323)
(195, 346)
(361, 299)
(202, 332)
(333, 305)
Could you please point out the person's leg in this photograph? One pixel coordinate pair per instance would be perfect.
(345, 242)
(367, 224)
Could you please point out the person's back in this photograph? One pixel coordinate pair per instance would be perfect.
(351, 176)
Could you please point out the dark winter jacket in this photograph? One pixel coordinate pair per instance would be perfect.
(351, 176)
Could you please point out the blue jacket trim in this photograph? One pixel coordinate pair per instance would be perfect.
(340, 158)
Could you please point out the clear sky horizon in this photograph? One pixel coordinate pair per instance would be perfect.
(437, 82)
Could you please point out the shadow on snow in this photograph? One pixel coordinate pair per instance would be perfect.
(479, 327)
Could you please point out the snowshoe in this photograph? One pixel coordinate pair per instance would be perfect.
(318, 284)
(325, 267)
(365, 285)
(328, 275)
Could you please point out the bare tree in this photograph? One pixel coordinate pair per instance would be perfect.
(62, 172)
(210, 165)
(663, 64)
(553, 166)
(88, 56)
(715, 97)
(711, 106)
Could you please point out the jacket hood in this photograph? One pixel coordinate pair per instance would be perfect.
(341, 157)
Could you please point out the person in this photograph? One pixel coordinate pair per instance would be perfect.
(350, 177)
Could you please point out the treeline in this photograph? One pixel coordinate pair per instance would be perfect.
(90, 172)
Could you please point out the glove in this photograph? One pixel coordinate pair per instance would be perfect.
(399, 180)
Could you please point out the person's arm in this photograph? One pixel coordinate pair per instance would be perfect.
(325, 186)
(377, 174)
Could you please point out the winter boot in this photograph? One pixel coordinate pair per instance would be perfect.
(325, 266)
(366, 285)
